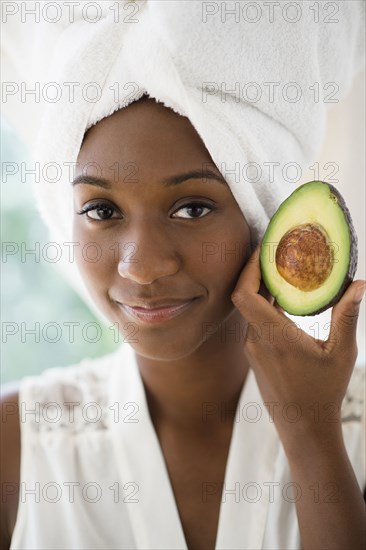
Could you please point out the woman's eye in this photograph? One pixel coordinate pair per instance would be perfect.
(193, 210)
(99, 212)
(104, 211)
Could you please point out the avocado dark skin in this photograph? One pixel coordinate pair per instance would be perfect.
(353, 255)
(352, 266)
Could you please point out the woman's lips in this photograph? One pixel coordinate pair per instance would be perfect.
(157, 315)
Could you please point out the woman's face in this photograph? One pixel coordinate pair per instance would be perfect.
(156, 235)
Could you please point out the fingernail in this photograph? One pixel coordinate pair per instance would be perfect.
(359, 292)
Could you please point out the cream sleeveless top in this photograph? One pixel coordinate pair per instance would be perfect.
(93, 474)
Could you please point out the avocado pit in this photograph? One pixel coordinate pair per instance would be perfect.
(304, 256)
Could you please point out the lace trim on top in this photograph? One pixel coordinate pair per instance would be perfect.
(73, 398)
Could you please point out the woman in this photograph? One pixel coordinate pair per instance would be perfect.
(215, 424)
(191, 362)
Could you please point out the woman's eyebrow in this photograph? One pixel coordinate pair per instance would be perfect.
(172, 180)
(193, 174)
(92, 180)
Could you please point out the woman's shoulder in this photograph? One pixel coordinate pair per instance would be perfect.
(67, 396)
(10, 460)
(32, 398)
(57, 397)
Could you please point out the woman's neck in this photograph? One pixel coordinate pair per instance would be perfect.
(202, 389)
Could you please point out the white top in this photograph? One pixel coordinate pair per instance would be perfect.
(93, 474)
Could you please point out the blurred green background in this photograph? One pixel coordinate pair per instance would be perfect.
(33, 291)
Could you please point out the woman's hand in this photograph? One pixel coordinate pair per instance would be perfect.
(302, 380)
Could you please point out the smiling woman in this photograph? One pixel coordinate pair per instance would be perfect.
(165, 288)
(212, 426)
(187, 379)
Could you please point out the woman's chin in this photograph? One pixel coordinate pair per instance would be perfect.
(163, 349)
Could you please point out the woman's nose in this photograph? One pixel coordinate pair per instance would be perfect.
(145, 259)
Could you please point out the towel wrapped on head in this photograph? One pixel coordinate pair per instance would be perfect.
(255, 82)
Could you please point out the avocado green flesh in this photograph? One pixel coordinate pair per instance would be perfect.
(311, 203)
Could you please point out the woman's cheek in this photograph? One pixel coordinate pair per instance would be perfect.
(225, 256)
(92, 255)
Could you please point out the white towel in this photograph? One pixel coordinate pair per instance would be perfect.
(254, 78)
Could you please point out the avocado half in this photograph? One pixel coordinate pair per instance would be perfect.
(308, 255)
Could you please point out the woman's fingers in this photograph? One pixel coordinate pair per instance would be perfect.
(250, 277)
(250, 295)
(343, 326)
